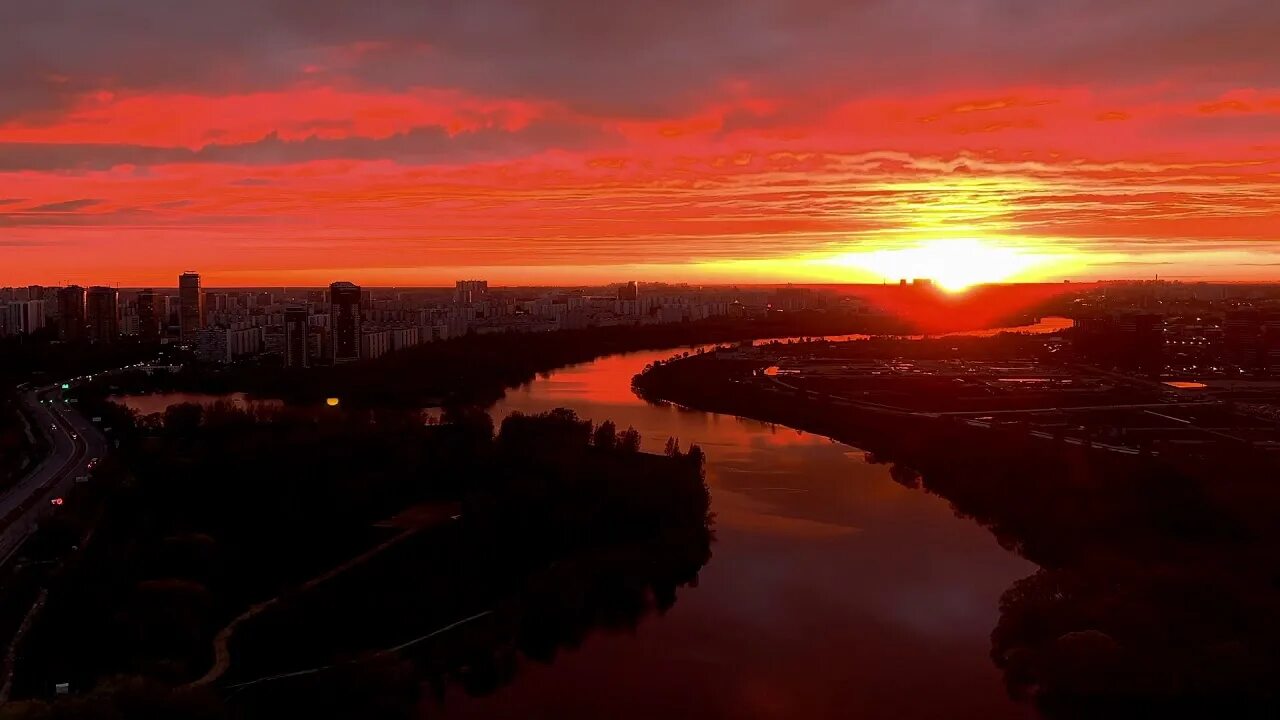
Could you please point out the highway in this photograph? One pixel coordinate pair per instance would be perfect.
(73, 442)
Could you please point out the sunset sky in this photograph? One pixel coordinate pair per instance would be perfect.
(561, 141)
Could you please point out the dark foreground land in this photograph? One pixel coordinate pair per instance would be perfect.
(21, 445)
(384, 554)
(1160, 580)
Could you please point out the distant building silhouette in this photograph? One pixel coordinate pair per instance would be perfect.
(211, 345)
(102, 313)
(375, 343)
(344, 317)
(629, 292)
(24, 317)
(296, 337)
(466, 292)
(191, 305)
(72, 322)
(791, 299)
(150, 315)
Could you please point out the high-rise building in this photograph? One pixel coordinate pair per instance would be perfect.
(404, 337)
(793, 298)
(24, 317)
(466, 292)
(72, 322)
(211, 345)
(215, 302)
(296, 345)
(344, 317)
(223, 344)
(150, 314)
(191, 305)
(129, 319)
(172, 312)
(628, 303)
(102, 314)
(375, 343)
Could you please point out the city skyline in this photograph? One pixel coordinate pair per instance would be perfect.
(716, 142)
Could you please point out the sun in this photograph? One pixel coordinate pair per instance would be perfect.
(953, 264)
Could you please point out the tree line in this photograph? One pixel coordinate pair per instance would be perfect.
(217, 507)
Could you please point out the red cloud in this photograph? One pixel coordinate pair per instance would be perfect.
(597, 139)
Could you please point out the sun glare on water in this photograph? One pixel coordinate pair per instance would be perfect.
(952, 264)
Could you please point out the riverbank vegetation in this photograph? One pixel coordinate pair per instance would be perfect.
(222, 508)
(42, 357)
(1158, 591)
(478, 369)
(21, 445)
(587, 536)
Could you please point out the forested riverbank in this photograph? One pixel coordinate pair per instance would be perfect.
(1157, 585)
(220, 508)
(478, 369)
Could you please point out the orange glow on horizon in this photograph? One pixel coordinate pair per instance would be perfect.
(953, 265)
(418, 180)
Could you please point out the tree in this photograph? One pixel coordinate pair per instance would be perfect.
(182, 420)
(696, 457)
(606, 435)
(629, 440)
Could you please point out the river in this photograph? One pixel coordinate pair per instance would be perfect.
(832, 592)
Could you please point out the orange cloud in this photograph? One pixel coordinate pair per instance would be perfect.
(193, 121)
(419, 185)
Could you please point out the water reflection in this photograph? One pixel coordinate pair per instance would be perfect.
(158, 402)
(833, 590)
(557, 607)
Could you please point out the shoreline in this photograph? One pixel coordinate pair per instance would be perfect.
(1121, 541)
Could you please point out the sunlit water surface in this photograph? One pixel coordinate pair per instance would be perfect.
(832, 592)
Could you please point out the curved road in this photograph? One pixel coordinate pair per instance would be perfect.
(73, 442)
